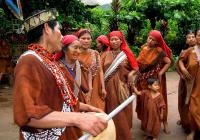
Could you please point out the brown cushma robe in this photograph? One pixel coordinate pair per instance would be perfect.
(150, 63)
(192, 65)
(36, 95)
(182, 93)
(89, 61)
(123, 120)
(151, 110)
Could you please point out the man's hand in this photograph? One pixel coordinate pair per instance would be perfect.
(91, 123)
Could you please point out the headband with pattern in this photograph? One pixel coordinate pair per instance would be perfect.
(39, 18)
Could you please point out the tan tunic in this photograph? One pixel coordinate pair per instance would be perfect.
(90, 61)
(123, 120)
(36, 95)
(192, 65)
(151, 110)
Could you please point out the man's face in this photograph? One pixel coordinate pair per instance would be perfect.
(55, 38)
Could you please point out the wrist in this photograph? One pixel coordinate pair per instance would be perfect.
(76, 119)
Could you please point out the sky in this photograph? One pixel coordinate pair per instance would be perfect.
(100, 2)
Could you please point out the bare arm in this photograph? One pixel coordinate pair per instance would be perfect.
(89, 108)
(167, 62)
(135, 90)
(104, 93)
(131, 77)
(54, 119)
(86, 122)
(184, 71)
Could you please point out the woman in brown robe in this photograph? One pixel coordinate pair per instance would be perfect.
(90, 59)
(68, 61)
(154, 61)
(182, 90)
(188, 64)
(119, 66)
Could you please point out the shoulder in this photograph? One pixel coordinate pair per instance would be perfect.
(144, 47)
(28, 59)
(186, 52)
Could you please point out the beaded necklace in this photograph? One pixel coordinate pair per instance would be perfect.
(61, 80)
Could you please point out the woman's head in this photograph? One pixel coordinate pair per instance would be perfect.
(190, 39)
(103, 43)
(116, 40)
(71, 47)
(85, 37)
(155, 39)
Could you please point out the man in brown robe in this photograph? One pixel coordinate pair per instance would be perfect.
(44, 104)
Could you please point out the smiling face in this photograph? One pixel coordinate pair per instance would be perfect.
(86, 40)
(73, 50)
(115, 42)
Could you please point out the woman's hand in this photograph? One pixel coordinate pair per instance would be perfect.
(186, 74)
(89, 108)
(103, 94)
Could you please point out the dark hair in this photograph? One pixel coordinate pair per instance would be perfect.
(33, 36)
(84, 32)
(151, 80)
(65, 47)
(188, 32)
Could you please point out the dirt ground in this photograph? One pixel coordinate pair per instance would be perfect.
(9, 131)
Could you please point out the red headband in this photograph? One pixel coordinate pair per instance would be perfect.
(105, 41)
(157, 35)
(125, 48)
(66, 40)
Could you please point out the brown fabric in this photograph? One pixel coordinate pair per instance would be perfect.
(123, 120)
(86, 61)
(5, 60)
(151, 110)
(192, 65)
(182, 93)
(36, 94)
(84, 84)
(150, 63)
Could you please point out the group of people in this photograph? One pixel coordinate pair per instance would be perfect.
(59, 77)
(188, 91)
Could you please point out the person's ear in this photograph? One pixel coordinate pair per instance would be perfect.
(46, 28)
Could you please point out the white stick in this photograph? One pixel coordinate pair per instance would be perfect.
(112, 114)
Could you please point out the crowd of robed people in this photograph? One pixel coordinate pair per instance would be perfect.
(59, 77)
